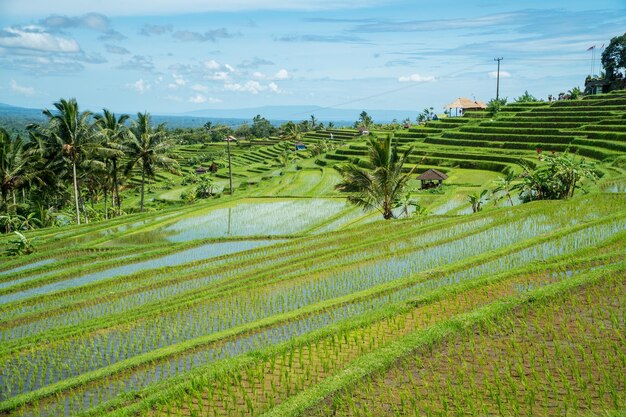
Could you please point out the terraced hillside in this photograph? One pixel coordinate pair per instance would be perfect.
(594, 127)
(282, 300)
(223, 310)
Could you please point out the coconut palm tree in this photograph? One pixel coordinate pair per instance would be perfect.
(46, 168)
(13, 167)
(382, 184)
(73, 132)
(147, 149)
(113, 130)
(291, 131)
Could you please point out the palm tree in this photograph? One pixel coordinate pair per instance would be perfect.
(113, 130)
(13, 166)
(147, 148)
(313, 122)
(365, 120)
(380, 186)
(71, 130)
(46, 169)
(291, 131)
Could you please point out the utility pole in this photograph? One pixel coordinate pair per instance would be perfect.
(498, 78)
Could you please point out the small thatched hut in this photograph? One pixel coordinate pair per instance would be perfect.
(432, 178)
(464, 103)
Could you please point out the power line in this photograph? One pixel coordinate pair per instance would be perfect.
(382, 93)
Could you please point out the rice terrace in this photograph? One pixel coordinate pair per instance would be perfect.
(463, 262)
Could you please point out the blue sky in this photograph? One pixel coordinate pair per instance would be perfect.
(175, 56)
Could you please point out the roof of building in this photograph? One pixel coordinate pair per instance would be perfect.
(466, 103)
(432, 175)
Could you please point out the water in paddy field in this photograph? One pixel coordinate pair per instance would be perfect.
(248, 218)
(23, 268)
(178, 258)
(615, 187)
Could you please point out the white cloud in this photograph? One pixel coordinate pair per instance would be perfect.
(200, 98)
(503, 74)
(252, 87)
(174, 98)
(211, 64)
(417, 78)
(273, 87)
(35, 38)
(200, 88)
(229, 68)
(179, 81)
(282, 74)
(219, 76)
(258, 75)
(27, 91)
(140, 86)
(93, 21)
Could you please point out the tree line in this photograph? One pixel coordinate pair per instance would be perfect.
(75, 157)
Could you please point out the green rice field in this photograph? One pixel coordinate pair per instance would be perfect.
(283, 300)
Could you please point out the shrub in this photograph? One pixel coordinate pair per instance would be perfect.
(495, 105)
(21, 246)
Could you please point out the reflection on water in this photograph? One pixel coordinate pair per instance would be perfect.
(249, 218)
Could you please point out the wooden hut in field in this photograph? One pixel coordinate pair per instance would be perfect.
(432, 179)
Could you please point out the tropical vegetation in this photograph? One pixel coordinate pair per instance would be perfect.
(382, 183)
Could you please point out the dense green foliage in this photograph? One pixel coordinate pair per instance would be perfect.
(526, 98)
(557, 179)
(614, 58)
(382, 183)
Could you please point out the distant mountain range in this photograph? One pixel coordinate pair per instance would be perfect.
(302, 112)
(19, 117)
(14, 111)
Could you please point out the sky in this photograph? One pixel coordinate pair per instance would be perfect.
(171, 57)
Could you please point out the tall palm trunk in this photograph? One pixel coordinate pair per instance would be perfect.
(115, 193)
(82, 205)
(143, 181)
(387, 210)
(76, 192)
(106, 212)
(5, 201)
